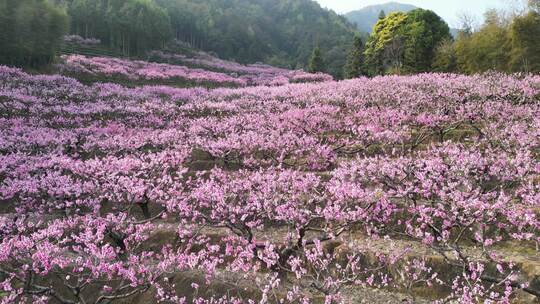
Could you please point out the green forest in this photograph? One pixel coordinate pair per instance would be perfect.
(286, 33)
(420, 41)
(281, 33)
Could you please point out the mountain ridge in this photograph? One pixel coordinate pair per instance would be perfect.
(366, 17)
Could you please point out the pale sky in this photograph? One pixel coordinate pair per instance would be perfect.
(448, 9)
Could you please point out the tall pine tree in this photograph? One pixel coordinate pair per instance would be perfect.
(316, 63)
(355, 60)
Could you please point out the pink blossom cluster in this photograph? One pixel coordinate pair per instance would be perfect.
(207, 61)
(254, 74)
(302, 77)
(141, 70)
(76, 39)
(292, 194)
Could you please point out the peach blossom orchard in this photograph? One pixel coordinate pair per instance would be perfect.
(289, 193)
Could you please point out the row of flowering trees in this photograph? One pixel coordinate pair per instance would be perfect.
(201, 70)
(292, 194)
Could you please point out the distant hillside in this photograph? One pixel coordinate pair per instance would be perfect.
(278, 32)
(366, 18)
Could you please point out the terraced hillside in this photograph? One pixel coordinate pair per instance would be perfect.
(386, 190)
(201, 70)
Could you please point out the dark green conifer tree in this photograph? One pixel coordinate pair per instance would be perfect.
(355, 60)
(316, 63)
